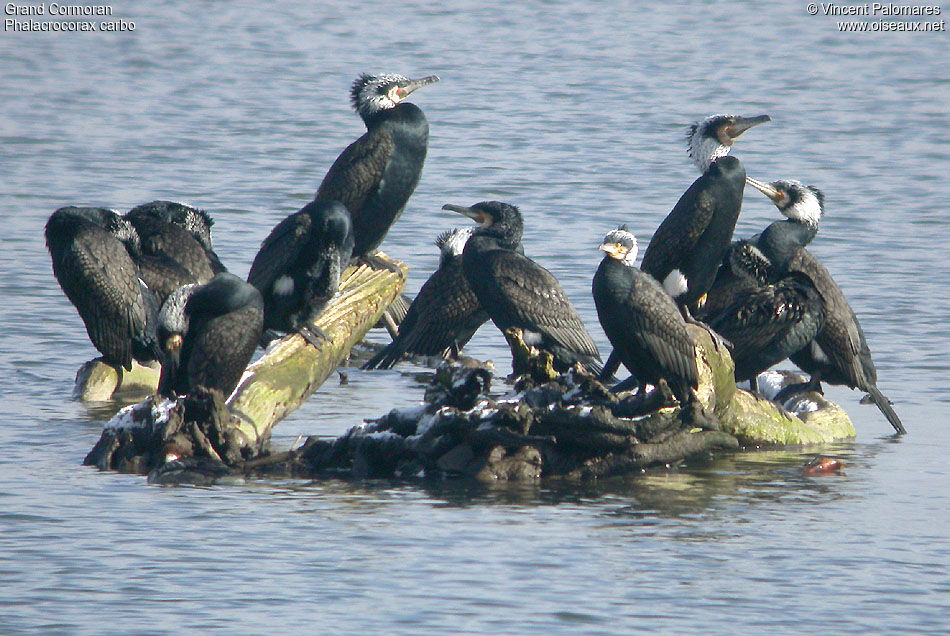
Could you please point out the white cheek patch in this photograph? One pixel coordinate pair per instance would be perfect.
(675, 284)
(284, 286)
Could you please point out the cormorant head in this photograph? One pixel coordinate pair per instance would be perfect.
(173, 320)
(495, 218)
(713, 137)
(452, 242)
(196, 222)
(797, 201)
(621, 245)
(372, 94)
(335, 228)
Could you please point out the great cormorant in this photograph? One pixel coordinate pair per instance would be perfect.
(94, 269)
(298, 267)
(686, 249)
(375, 175)
(839, 353)
(209, 333)
(642, 322)
(803, 207)
(517, 292)
(444, 315)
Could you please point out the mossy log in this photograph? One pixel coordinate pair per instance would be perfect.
(271, 388)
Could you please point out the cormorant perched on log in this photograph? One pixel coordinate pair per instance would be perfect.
(839, 353)
(375, 175)
(92, 265)
(517, 292)
(642, 322)
(803, 206)
(685, 251)
(196, 222)
(209, 333)
(298, 267)
(444, 315)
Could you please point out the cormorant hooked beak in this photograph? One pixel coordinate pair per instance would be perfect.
(742, 124)
(614, 250)
(767, 189)
(401, 92)
(475, 214)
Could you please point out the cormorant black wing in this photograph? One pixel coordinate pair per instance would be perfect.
(526, 295)
(657, 325)
(768, 324)
(357, 172)
(100, 279)
(280, 250)
(679, 231)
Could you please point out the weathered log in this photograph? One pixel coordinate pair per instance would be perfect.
(271, 388)
(289, 373)
(99, 381)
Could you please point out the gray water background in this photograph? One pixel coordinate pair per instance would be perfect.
(575, 112)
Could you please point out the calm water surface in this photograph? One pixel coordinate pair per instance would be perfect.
(576, 113)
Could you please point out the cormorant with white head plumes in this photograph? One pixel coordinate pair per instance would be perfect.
(712, 138)
(444, 315)
(517, 292)
(685, 251)
(298, 267)
(644, 325)
(94, 269)
(802, 205)
(839, 352)
(375, 175)
(197, 223)
(209, 333)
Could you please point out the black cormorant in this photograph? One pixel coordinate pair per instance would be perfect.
(642, 322)
(839, 353)
(95, 270)
(803, 207)
(685, 251)
(375, 175)
(298, 267)
(517, 292)
(444, 315)
(209, 333)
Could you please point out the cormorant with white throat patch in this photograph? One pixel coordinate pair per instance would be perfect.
(803, 206)
(642, 322)
(94, 269)
(839, 352)
(517, 292)
(376, 174)
(685, 251)
(298, 267)
(444, 315)
(209, 333)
